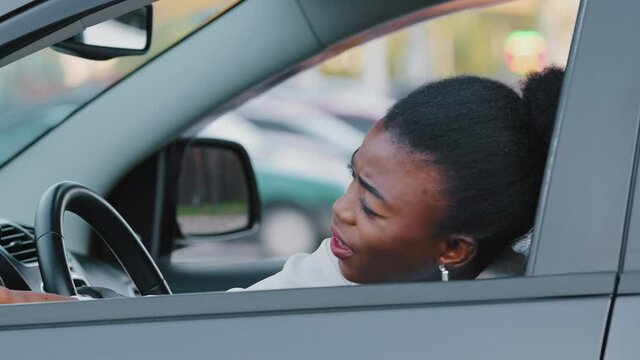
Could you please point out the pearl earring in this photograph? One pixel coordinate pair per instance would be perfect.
(444, 273)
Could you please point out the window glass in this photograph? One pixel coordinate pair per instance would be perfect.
(301, 134)
(39, 91)
(212, 195)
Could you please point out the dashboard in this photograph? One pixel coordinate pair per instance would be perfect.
(19, 264)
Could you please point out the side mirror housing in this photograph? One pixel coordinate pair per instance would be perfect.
(216, 192)
(128, 34)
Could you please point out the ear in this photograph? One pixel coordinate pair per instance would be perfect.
(457, 251)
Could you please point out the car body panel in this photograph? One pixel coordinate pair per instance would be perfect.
(517, 332)
(499, 317)
(585, 195)
(623, 332)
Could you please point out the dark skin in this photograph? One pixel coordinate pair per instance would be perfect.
(8, 296)
(389, 217)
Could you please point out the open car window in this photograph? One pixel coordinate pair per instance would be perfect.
(302, 133)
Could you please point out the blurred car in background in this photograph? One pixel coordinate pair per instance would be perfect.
(19, 123)
(356, 108)
(289, 115)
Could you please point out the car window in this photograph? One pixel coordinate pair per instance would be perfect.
(40, 91)
(300, 163)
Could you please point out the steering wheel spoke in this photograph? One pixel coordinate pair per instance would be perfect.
(110, 226)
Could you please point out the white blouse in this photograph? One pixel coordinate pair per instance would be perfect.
(305, 270)
(321, 269)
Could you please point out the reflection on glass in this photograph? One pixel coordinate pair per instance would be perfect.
(125, 32)
(212, 197)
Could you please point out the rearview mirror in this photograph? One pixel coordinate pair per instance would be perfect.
(217, 192)
(128, 34)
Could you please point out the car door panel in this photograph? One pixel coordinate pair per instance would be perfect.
(544, 329)
(496, 318)
(623, 332)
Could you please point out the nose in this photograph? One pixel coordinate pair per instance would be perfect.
(343, 210)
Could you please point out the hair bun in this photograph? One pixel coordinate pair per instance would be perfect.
(541, 95)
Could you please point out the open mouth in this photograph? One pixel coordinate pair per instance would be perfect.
(338, 247)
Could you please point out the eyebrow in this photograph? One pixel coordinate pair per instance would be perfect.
(370, 188)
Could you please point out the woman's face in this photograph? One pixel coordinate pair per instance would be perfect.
(385, 227)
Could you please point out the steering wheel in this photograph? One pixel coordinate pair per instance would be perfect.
(110, 226)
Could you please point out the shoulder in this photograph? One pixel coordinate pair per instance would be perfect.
(306, 270)
(508, 264)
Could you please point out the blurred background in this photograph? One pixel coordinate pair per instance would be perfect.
(301, 133)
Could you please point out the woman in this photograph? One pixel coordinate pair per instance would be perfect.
(442, 187)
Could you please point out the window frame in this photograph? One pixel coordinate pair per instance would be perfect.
(592, 234)
(317, 300)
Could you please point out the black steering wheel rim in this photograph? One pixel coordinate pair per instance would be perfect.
(110, 226)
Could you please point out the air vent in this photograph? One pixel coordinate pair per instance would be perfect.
(18, 241)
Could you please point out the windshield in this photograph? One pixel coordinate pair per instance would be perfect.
(42, 90)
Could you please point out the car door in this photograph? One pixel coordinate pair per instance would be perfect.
(559, 309)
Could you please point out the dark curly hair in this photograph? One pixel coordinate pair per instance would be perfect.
(491, 144)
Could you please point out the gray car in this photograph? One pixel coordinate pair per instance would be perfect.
(578, 299)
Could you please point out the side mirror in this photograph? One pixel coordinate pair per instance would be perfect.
(128, 34)
(217, 195)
